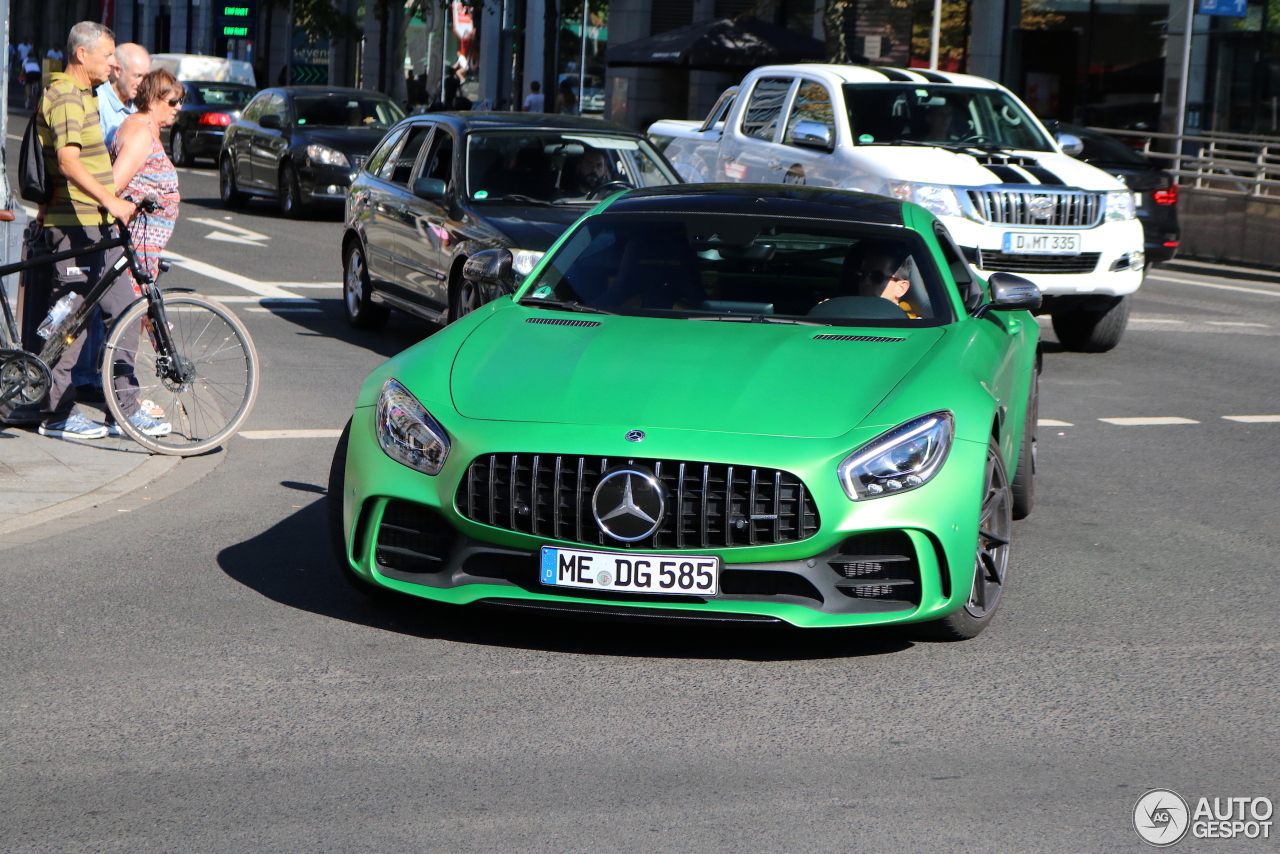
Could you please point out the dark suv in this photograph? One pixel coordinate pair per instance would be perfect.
(443, 186)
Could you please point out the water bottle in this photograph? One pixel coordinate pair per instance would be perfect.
(61, 310)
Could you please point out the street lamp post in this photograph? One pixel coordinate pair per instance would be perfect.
(582, 59)
(935, 35)
(1181, 127)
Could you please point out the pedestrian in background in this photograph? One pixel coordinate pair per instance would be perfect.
(534, 102)
(31, 80)
(566, 99)
(83, 197)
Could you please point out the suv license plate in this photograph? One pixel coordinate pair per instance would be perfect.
(1039, 243)
(689, 575)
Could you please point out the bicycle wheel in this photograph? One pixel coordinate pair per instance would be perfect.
(204, 391)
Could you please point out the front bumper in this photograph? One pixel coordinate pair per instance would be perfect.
(801, 583)
(325, 184)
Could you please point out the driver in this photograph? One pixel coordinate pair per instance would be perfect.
(881, 269)
(591, 172)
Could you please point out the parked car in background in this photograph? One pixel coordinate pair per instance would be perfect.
(1155, 191)
(301, 145)
(963, 147)
(215, 69)
(444, 186)
(209, 110)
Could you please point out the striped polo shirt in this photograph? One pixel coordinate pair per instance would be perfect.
(69, 116)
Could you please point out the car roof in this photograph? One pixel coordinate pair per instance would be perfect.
(345, 91)
(762, 199)
(881, 74)
(522, 121)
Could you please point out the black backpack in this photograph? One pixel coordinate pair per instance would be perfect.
(34, 183)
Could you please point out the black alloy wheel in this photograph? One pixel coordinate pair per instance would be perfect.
(178, 150)
(291, 204)
(467, 297)
(991, 559)
(1024, 483)
(362, 312)
(231, 195)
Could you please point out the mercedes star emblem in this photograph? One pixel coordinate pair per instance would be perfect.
(635, 435)
(629, 504)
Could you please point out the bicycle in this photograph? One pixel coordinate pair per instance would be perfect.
(194, 359)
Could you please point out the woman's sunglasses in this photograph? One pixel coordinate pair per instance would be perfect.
(176, 102)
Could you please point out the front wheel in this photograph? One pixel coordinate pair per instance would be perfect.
(991, 559)
(357, 296)
(203, 386)
(291, 204)
(467, 297)
(1024, 483)
(227, 187)
(1095, 329)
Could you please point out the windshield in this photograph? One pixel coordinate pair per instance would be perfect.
(344, 111)
(744, 268)
(917, 113)
(224, 94)
(559, 167)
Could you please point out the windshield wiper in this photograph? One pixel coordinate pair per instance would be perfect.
(522, 199)
(757, 318)
(559, 305)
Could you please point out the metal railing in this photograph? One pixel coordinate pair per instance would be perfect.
(1236, 164)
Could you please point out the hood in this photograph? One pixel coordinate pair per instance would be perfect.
(941, 166)
(530, 227)
(634, 372)
(347, 140)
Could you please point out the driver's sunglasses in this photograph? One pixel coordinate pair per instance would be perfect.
(176, 102)
(875, 277)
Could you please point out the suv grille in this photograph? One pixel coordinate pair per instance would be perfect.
(1068, 210)
(999, 262)
(709, 505)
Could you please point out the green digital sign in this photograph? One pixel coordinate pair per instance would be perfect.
(236, 32)
(235, 11)
(236, 21)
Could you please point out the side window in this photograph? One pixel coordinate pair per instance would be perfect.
(399, 167)
(439, 161)
(970, 290)
(383, 151)
(275, 106)
(760, 120)
(254, 110)
(812, 104)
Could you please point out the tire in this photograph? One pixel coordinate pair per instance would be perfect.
(208, 405)
(362, 312)
(466, 297)
(991, 559)
(337, 532)
(230, 192)
(1096, 331)
(178, 150)
(290, 193)
(1024, 479)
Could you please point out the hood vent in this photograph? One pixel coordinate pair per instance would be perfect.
(854, 338)
(561, 321)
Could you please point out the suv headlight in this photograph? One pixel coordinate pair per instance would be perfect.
(327, 156)
(406, 431)
(937, 199)
(906, 457)
(524, 260)
(1120, 206)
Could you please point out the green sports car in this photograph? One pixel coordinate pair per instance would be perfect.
(708, 402)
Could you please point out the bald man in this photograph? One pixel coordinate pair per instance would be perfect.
(115, 97)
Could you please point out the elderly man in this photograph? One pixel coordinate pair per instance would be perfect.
(115, 97)
(83, 208)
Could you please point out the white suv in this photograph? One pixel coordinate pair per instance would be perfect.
(963, 147)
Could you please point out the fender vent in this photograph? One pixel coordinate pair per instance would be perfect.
(854, 338)
(561, 321)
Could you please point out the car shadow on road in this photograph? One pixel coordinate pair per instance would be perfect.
(400, 333)
(291, 563)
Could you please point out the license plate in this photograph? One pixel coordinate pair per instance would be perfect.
(631, 573)
(1039, 243)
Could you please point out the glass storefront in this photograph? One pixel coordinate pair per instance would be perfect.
(1242, 80)
(576, 92)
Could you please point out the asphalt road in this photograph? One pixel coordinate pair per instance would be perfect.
(195, 675)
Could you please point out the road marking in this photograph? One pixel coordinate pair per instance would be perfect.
(287, 310)
(237, 298)
(242, 235)
(328, 285)
(1254, 419)
(290, 434)
(1148, 422)
(1235, 323)
(1049, 422)
(1164, 278)
(253, 286)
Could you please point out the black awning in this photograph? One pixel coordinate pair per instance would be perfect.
(718, 45)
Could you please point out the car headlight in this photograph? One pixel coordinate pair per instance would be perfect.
(406, 431)
(906, 457)
(937, 199)
(1120, 206)
(524, 260)
(327, 156)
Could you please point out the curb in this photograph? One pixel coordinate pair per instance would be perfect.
(160, 475)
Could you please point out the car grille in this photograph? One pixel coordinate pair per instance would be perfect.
(710, 505)
(1000, 262)
(1069, 210)
(880, 565)
(412, 538)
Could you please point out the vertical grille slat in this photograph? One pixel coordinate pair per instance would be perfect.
(729, 506)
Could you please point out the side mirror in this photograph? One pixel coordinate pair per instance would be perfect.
(1010, 293)
(1072, 146)
(811, 135)
(270, 122)
(491, 270)
(431, 189)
